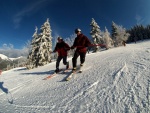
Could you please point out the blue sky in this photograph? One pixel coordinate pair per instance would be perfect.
(19, 17)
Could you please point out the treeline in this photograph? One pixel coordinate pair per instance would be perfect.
(139, 32)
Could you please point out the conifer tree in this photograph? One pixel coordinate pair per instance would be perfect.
(114, 33)
(148, 31)
(41, 47)
(107, 40)
(33, 55)
(95, 34)
(139, 32)
(45, 47)
(119, 35)
(122, 36)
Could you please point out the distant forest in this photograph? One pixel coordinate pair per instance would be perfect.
(138, 32)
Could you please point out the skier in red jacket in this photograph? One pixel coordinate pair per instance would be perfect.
(61, 48)
(81, 43)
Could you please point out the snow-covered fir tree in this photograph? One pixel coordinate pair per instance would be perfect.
(33, 55)
(119, 35)
(107, 39)
(95, 34)
(114, 33)
(45, 48)
(122, 36)
(41, 47)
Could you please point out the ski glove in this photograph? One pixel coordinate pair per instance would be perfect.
(54, 51)
(66, 49)
(72, 47)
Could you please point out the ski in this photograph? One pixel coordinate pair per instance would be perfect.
(66, 70)
(50, 76)
(70, 76)
(54, 74)
(79, 70)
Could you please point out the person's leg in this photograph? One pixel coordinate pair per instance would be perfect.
(65, 62)
(82, 60)
(74, 59)
(58, 61)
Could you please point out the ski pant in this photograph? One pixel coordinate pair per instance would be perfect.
(76, 55)
(59, 59)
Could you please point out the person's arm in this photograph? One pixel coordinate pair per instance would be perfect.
(67, 47)
(88, 43)
(74, 44)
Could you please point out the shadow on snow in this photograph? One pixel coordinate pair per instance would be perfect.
(39, 73)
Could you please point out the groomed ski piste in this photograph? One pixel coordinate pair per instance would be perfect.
(113, 81)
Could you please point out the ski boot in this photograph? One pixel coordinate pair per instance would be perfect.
(67, 65)
(74, 70)
(57, 70)
(81, 68)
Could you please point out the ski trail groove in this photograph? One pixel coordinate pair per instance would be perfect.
(82, 93)
(31, 106)
(118, 75)
(109, 95)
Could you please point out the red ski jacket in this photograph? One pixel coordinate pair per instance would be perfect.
(62, 48)
(81, 43)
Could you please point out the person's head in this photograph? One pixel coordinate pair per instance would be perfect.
(59, 39)
(77, 31)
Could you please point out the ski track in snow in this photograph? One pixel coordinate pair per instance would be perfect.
(113, 83)
(84, 92)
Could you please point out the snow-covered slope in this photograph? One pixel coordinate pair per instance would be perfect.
(4, 57)
(16, 58)
(113, 81)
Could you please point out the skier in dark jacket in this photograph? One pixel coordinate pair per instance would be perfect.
(61, 48)
(81, 43)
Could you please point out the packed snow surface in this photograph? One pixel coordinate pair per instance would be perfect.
(113, 81)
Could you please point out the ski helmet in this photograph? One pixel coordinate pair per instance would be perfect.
(59, 38)
(77, 30)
